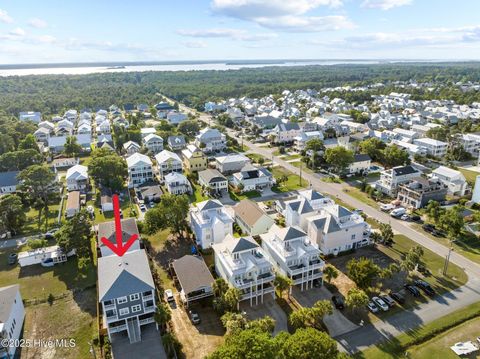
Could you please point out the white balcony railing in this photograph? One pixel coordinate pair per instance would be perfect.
(118, 328)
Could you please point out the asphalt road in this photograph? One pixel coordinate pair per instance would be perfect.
(396, 324)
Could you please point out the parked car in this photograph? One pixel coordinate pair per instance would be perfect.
(412, 289)
(380, 303)
(428, 228)
(387, 207)
(48, 262)
(416, 218)
(438, 233)
(398, 212)
(194, 317)
(397, 296)
(338, 302)
(405, 217)
(387, 299)
(169, 295)
(372, 307)
(12, 258)
(427, 288)
(143, 208)
(51, 233)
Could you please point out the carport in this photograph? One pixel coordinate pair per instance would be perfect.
(194, 278)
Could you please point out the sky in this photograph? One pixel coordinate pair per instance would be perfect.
(49, 31)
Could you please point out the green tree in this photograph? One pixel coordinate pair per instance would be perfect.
(386, 233)
(108, 169)
(6, 143)
(38, 181)
(339, 158)
(394, 156)
(308, 343)
(233, 322)
(29, 142)
(163, 315)
(282, 284)
(363, 271)
(372, 147)
(231, 298)
(314, 145)
(330, 272)
(171, 213)
(356, 298)
(412, 259)
(250, 343)
(76, 234)
(452, 221)
(189, 128)
(71, 147)
(19, 160)
(12, 215)
(434, 211)
(311, 317)
(438, 133)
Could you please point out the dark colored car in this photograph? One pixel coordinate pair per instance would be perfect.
(388, 299)
(428, 228)
(438, 233)
(412, 289)
(12, 258)
(416, 218)
(338, 302)
(398, 297)
(194, 317)
(425, 287)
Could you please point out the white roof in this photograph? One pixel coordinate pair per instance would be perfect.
(165, 155)
(130, 143)
(464, 348)
(152, 136)
(175, 177)
(232, 158)
(136, 158)
(447, 172)
(431, 141)
(147, 130)
(77, 172)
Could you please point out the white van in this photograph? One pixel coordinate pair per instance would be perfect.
(387, 207)
(398, 212)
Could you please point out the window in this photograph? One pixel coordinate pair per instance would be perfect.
(135, 296)
(136, 308)
(124, 311)
(122, 300)
(353, 237)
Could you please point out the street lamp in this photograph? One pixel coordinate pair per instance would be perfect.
(447, 257)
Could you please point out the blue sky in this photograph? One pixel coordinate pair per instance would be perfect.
(124, 30)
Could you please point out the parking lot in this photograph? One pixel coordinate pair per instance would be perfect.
(336, 323)
(270, 308)
(198, 340)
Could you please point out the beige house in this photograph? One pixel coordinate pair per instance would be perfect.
(251, 218)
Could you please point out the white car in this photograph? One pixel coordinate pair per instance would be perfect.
(380, 303)
(169, 295)
(372, 307)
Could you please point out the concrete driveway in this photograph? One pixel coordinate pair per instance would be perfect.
(270, 308)
(150, 347)
(336, 323)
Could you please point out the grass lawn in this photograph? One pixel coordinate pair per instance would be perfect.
(71, 317)
(396, 347)
(255, 157)
(38, 282)
(455, 275)
(239, 196)
(292, 184)
(470, 176)
(197, 195)
(361, 196)
(294, 156)
(303, 165)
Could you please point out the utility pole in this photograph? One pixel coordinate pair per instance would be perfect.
(447, 260)
(301, 165)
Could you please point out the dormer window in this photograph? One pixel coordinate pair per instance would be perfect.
(236, 256)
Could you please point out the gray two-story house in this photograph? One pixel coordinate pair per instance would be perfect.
(126, 293)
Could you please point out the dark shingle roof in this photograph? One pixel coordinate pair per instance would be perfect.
(192, 273)
(209, 204)
(244, 244)
(210, 175)
(361, 157)
(8, 178)
(107, 230)
(289, 233)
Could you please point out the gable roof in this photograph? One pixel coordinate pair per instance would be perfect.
(136, 158)
(242, 244)
(209, 204)
(301, 206)
(210, 175)
(248, 211)
(166, 155)
(7, 300)
(122, 276)
(289, 233)
(107, 230)
(176, 140)
(311, 194)
(77, 172)
(192, 273)
(361, 157)
(9, 178)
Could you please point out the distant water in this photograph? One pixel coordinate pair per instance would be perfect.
(84, 69)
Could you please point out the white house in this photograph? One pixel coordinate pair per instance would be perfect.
(77, 178)
(145, 131)
(104, 127)
(297, 212)
(243, 265)
(470, 142)
(153, 142)
(176, 143)
(210, 140)
(131, 147)
(286, 132)
(392, 178)
(210, 222)
(35, 117)
(360, 165)
(213, 180)
(42, 134)
(303, 137)
(168, 162)
(231, 163)
(315, 199)
(175, 117)
(434, 148)
(177, 183)
(251, 219)
(336, 230)
(454, 180)
(12, 315)
(293, 255)
(252, 178)
(139, 169)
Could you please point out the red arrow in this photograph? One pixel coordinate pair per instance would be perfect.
(120, 248)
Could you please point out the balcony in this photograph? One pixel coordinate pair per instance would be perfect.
(150, 308)
(109, 306)
(118, 328)
(147, 297)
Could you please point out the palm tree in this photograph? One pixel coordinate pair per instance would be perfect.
(162, 316)
(330, 273)
(315, 145)
(282, 284)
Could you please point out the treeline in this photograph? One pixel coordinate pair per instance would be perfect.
(51, 94)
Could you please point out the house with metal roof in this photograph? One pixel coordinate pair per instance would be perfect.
(231, 163)
(297, 211)
(210, 222)
(77, 178)
(251, 218)
(243, 265)
(168, 162)
(213, 180)
(391, 179)
(126, 292)
(194, 278)
(177, 183)
(153, 142)
(139, 169)
(211, 140)
(293, 255)
(12, 315)
(360, 165)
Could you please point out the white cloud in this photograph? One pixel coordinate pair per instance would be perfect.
(17, 32)
(4, 17)
(198, 44)
(385, 4)
(46, 39)
(234, 34)
(37, 23)
(283, 15)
